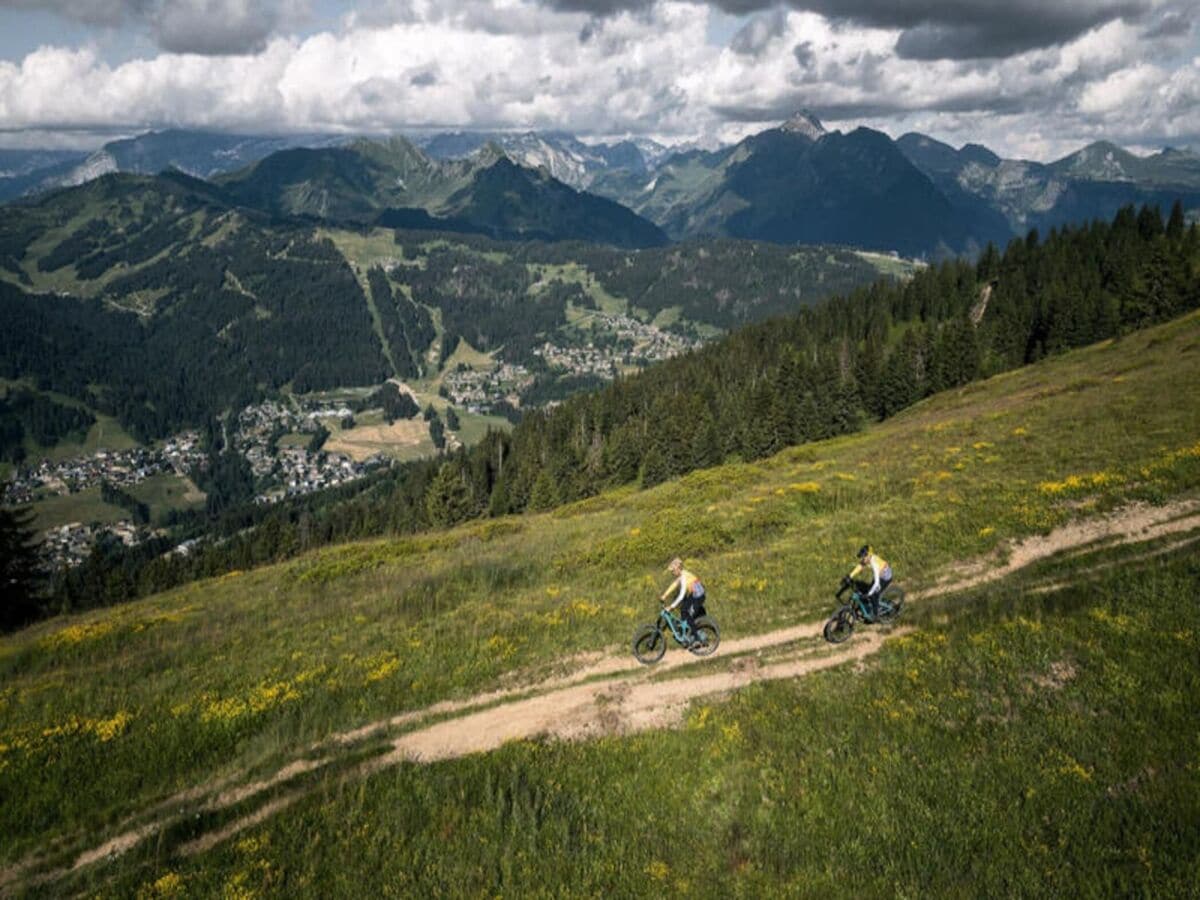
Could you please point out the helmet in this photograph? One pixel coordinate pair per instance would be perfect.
(864, 550)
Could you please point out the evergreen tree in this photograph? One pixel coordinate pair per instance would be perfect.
(544, 494)
(1175, 224)
(448, 499)
(19, 579)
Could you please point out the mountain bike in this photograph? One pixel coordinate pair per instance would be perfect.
(650, 641)
(841, 624)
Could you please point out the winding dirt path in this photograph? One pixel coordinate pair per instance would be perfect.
(605, 695)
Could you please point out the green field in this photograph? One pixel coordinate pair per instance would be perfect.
(1026, 736)
(106, 434)
(85, 507)
(164, 492)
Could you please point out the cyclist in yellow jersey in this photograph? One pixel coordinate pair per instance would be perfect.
(688, 591)
(881, 575)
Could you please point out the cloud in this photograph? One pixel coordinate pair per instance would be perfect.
(645, 69)
(753, 37)
(1172, 24)
(217, 27)
(935, 29)
(207, 27)
(89, 12)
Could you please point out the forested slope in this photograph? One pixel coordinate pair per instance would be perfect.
(818, 373)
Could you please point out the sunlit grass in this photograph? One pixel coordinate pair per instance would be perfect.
(235, 673)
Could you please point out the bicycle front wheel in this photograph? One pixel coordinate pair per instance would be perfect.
(649, 645)
(840, 625)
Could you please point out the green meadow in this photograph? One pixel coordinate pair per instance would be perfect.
(1035, 736)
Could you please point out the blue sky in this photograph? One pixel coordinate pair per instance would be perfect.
(1027, 78)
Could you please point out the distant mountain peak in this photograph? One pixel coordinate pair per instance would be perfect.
(490, 153)
(806, 124)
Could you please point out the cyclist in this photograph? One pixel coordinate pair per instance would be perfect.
(688, 591)
(881, 573)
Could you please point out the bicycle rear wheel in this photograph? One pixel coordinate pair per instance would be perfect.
(889, 605)
(708, 636)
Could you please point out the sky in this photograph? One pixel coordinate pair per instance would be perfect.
(1033, 79)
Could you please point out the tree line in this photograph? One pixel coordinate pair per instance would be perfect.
(816, 373)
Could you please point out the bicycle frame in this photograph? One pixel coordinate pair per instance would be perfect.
(675, 624)
(858, 603)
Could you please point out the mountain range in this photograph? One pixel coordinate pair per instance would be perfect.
(797, 183)
(394, 183)
(563, 155)
(1089, 184)
(198, 153)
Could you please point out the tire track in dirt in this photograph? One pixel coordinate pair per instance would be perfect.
(599, 697)
(1135, 523)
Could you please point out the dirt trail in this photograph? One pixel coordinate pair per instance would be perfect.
(1135, 523)
(610, 694)
(600, 708)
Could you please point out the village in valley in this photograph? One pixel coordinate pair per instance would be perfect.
(612, 345)
(282, 469)
(282, 440)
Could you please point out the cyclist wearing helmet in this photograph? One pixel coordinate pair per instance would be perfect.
(881, 573)
(689, 591)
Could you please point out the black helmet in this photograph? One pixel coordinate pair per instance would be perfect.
(864, 550)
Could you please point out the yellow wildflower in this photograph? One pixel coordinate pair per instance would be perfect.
(383, 670)
(169, 885)
(78, 634)
(107, 729)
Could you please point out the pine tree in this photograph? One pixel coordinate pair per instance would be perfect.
(448, 498)
(1175, 224)
(544, 494)
(19, 580)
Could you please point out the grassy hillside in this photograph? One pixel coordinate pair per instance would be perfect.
(1017, 738)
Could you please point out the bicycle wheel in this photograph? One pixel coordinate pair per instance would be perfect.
(889, 606)
(649, 645)
(708, 636)
(840, 625)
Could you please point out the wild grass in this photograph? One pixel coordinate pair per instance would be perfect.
(1045, 749)
(106, 713)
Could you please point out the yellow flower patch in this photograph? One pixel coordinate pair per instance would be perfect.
(107, 729)
(169, 885)
(264, 697)
(585, 609)
(805, 487)
(384, 670)
(1080, 482)
(73, 635)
